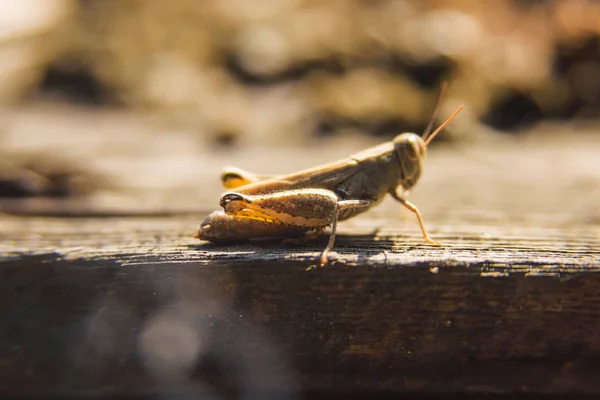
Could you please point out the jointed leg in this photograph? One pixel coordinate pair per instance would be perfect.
(331, 241)
(415, 210)
(340, 206)
(310, 208)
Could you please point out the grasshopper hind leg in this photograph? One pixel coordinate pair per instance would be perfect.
(341, 207)
(308, 209)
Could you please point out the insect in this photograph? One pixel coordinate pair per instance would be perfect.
(305, 203)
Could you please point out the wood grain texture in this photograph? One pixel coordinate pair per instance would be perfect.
(107, 297)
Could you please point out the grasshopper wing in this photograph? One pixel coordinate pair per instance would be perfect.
(327, 176)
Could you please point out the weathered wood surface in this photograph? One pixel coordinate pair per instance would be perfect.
(116, 297)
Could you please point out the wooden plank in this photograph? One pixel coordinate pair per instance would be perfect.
(135, 306)
(134, 324)
(121, 300)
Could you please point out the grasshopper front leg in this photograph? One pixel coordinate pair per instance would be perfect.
(309, 208)
(411, 207)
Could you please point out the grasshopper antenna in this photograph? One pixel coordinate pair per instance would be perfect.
(442, 126)
(440, 95)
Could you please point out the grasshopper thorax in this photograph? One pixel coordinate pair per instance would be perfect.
(410, 150)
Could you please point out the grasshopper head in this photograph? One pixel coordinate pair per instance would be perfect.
(410, 150)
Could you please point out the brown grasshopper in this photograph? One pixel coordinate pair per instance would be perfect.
(306, 202)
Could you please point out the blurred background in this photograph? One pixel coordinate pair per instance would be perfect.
(185, 86)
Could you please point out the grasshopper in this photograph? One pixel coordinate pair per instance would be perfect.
(306, 202)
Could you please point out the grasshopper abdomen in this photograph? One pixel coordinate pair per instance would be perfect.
(219, 227)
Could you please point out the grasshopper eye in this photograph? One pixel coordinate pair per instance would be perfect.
(409, 146)
(422, 148)
(418, 147)
(415, 149)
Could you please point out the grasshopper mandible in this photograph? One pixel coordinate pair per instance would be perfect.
(307, 202)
